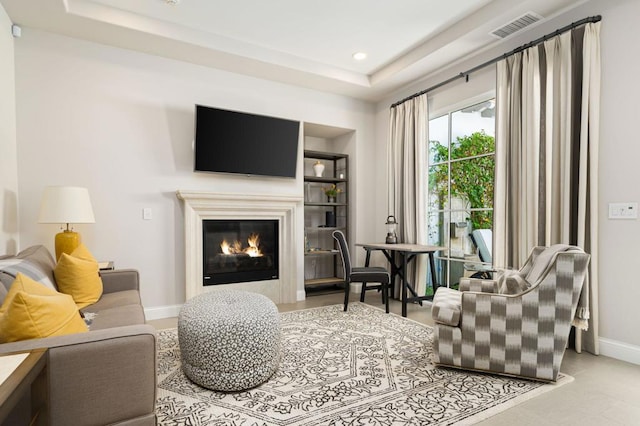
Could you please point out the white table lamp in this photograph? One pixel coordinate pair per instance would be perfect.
(66, 204)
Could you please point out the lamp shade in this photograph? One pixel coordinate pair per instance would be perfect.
(66, 204)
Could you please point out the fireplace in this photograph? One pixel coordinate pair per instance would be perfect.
(286, 210)
(236, 251)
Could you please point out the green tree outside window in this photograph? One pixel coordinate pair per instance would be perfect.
(471, 178)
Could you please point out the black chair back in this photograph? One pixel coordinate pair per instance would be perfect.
(344, 252)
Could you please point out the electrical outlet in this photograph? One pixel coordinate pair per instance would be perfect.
(147, 214)
(623, 210)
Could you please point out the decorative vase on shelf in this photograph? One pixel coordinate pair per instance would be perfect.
(330, 219)
(318, 168)
(331, 199)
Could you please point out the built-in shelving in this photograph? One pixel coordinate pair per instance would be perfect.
(323, 264)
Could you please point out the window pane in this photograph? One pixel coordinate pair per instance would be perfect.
(440, 273)
(481, 220)
(438, 186)
(475, 118)
(472, 182)
(447, 271)
(476, 143)
(439, 139)
(435, 229)
(456, 271)
(459, 230)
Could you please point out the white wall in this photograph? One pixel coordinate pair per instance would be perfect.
(121, 123)
(619, 153)
(8, 159)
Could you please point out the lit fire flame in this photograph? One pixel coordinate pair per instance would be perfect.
(253, 250)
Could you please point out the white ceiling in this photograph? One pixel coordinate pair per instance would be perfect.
(301, 42)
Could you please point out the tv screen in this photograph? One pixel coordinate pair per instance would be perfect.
(249, 144)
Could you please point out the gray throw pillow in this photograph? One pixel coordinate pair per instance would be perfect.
(511, 282)
(514, 284)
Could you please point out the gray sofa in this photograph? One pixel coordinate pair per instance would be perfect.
(105, 376)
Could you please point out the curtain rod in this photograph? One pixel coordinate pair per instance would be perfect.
(465, 74)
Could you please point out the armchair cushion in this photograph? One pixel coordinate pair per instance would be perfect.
(447, 306)
(475, 284)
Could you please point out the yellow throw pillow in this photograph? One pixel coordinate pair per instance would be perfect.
(28, 285)
(78, 275)
(32, 316)
(82, 252)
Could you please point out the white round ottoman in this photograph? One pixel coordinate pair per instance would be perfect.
(229, 339)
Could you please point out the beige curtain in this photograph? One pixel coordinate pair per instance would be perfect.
(547, 134)
(406, 167)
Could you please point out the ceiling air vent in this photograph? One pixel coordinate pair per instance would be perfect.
(516, 25)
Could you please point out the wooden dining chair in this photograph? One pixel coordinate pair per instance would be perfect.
(365, 274)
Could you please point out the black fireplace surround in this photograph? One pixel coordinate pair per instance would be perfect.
(237, 251)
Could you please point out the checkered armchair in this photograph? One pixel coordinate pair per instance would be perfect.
(523, 333)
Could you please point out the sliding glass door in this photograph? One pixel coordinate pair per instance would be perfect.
(461, 180)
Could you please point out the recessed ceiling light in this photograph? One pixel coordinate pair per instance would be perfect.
(172, 2)
(358, 56)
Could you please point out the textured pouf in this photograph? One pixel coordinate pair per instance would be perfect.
(229, 339)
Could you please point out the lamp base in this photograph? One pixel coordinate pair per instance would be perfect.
(66, 242)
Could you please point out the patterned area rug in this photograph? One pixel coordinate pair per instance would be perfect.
(357, 367)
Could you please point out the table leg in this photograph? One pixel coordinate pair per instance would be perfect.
(432, 266)
(364, 285)
(410, 287)
(404, 284)
(395, 271)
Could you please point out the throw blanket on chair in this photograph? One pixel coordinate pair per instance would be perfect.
(581, 318)
(514, 282)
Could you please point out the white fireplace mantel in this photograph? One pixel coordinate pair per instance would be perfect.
(200, 205)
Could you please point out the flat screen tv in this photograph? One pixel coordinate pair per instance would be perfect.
(248, 144)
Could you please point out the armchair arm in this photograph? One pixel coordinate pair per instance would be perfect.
(120, 280)
(99, 377)
(475, 284)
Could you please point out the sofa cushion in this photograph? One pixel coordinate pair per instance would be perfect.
(35, 262)
(118, 317)
(33, 311)
(447, 306)
(78, 275)
(114, 300)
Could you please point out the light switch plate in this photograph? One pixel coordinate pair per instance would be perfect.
(146, 213)
(623, 210)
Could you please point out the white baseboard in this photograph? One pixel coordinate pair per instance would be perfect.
(620, 350)
(160, 312)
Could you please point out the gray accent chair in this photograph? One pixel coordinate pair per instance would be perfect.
(517, 327)
(104, 376)
(364, 275)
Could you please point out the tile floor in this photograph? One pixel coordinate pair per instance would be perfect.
(605, 391)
